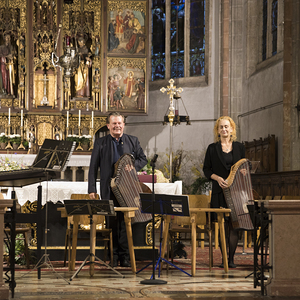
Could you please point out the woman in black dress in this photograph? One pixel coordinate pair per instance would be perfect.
(219, 158)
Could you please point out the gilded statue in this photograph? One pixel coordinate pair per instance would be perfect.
(7, 73)
(82, 80)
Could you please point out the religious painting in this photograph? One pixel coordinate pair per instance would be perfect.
(126, 25)
(126, 90)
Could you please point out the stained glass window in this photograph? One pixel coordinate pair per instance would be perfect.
(180, 41)
(265, 27)
(177, 38)
(274, 26)
(197, 37)
(158, 39)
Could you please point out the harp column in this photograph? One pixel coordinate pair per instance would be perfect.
(171, 90)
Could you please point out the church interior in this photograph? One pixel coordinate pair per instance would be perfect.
(171, 68)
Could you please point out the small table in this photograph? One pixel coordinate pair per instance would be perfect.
(193, 212)
(129, 213)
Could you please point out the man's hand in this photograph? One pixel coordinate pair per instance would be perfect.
(92, 195)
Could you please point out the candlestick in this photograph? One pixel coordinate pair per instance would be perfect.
(9, 116)
(79, 115)
(21, 117)
(67, 119)
(92, 119)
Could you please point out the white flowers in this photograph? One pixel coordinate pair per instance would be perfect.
(12, 136)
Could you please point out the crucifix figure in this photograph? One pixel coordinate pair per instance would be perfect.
(45, 99)
(171, 90)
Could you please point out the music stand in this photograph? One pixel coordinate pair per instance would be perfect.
(53, 156)
(91, 207)
(174, 205)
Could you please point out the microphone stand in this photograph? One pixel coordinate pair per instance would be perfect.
(153, 280)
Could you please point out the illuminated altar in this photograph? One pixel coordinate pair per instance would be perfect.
(61, 77)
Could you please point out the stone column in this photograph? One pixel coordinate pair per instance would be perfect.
(62, 175)
(4, 289)
(74, 169)
(284, 248)
(86, 173)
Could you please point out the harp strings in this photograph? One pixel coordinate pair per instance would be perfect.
(127, 178)
(241, 193)
(129, 187)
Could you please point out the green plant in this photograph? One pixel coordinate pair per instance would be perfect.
(85, 139)
(25, 144)
(3, 138)
(73, 138)
(15, 138)
(177, 159)
(147, 169)
(20, 258)
(201, 184)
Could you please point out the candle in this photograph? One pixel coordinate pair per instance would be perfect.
(79, 114)
(67, 119)
(9, 116)
(92, 119)
(21, 117)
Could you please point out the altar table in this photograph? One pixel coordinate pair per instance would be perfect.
(55, 191)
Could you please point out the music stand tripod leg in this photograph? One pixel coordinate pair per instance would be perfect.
(92, 245)
(90, 259)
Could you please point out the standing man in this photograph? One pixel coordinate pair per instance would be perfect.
(107, 150)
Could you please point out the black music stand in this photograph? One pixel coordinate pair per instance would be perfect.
(174, 205)
(91, 207)
(52, 157)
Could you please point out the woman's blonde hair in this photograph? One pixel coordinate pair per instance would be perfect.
(232, 124)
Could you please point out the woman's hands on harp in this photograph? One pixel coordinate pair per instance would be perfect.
(221, 181)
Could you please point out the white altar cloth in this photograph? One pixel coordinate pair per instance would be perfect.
(55, 191)
(28, 159)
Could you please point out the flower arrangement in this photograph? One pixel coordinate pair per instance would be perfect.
(85, 139)
(73, 138)
(15, 138)
(8, 165)
(147, 170)
(3, 138)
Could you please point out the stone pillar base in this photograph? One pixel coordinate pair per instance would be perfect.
(288, 288)
(4, 292)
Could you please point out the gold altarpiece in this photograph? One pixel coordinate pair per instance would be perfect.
(39, 99)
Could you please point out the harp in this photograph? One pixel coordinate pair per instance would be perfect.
(239, 194)
(127, 188)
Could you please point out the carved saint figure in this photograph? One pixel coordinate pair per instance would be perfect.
(82, 80)
(7, 73)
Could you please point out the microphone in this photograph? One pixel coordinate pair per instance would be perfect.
(153, 160)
